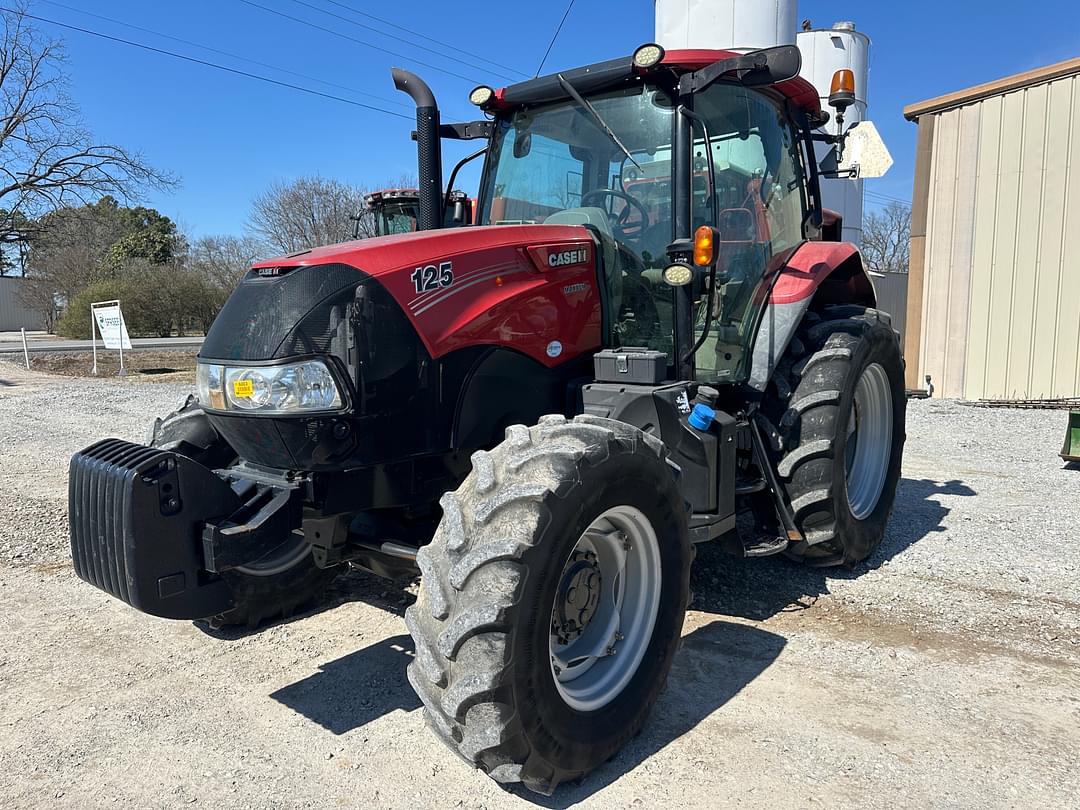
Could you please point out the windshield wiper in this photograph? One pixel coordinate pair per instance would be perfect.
(600, 122)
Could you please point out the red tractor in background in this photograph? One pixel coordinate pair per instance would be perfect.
(397, 210)
(649, 331)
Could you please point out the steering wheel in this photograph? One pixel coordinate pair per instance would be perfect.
(620, 222)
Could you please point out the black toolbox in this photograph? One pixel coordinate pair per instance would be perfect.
(632, 364)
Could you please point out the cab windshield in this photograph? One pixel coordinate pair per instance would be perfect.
(554, 164)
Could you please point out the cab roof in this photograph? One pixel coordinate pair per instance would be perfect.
(598, 76)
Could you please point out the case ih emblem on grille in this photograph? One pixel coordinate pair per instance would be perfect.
(567, 257)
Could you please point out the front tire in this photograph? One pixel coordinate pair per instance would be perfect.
(842, 433)
(269, 588)
(515, 578)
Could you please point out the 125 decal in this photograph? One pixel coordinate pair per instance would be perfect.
(432, 277)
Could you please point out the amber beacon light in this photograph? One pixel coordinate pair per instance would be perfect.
(842, 92)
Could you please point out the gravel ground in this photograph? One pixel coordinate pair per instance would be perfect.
(943, 674)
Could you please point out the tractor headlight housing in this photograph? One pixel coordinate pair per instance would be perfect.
(298, 388)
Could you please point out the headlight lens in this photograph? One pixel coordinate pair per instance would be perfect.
(302, 387)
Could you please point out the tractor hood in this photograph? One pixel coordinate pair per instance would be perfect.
(385, 254)
(531, 288)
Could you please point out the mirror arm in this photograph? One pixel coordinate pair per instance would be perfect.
(454, 174)
(813, 174)
(745, 66)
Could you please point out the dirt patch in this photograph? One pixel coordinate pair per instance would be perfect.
(145, 366)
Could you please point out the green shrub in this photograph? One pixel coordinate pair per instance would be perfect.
(157, 301)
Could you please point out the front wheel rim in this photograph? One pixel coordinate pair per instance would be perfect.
(605, 608)
(869, 441)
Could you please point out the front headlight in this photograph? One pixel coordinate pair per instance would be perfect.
(303, 387)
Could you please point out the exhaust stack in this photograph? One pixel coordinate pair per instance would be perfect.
(428, 147)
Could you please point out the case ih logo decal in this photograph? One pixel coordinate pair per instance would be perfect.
(568, 257)
(432, 277)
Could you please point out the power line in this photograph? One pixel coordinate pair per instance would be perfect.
(422, 36)
(332, 32)
(203, 62)
(886, 198)
(555, 36)
(230, 55)
(384, 33)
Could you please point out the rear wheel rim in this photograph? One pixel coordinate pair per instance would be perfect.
(605, 608)
(869, 441)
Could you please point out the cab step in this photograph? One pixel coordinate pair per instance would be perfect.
(765, 546)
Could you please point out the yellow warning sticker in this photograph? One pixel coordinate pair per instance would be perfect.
(243, 388)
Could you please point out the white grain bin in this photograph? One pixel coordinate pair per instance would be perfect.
(824, 52)
(736, 25)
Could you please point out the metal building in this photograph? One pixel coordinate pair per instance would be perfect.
(14, 314)
(994, 286)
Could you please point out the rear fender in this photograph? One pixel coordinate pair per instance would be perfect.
(818, 272)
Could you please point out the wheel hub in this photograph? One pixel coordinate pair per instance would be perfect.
(578, 597)
(606, 603)
(869, 441)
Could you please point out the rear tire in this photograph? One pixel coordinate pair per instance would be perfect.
(504, 558)
(270, 588)
(841, 432)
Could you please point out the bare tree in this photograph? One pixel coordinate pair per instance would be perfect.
(886, 239)
(48, 160)
(223, 260)
(306, 212)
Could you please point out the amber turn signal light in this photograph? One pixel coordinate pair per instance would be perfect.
(704, 244)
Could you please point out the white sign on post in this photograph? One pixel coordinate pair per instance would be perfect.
(109, 322)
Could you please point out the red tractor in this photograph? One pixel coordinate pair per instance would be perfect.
(397, 210)
(648, 332)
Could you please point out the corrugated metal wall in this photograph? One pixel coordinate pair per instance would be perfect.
(891, 289)
(1001, 288)
(14, 314)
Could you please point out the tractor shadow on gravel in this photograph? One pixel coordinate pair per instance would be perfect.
(355, 689)
(760, 588)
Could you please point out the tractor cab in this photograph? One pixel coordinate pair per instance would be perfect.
(654, 155)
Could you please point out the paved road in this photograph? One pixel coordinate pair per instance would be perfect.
(38, 345)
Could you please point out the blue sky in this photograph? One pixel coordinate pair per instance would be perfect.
(227, 137)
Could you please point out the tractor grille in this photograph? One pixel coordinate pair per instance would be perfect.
(297, 313)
